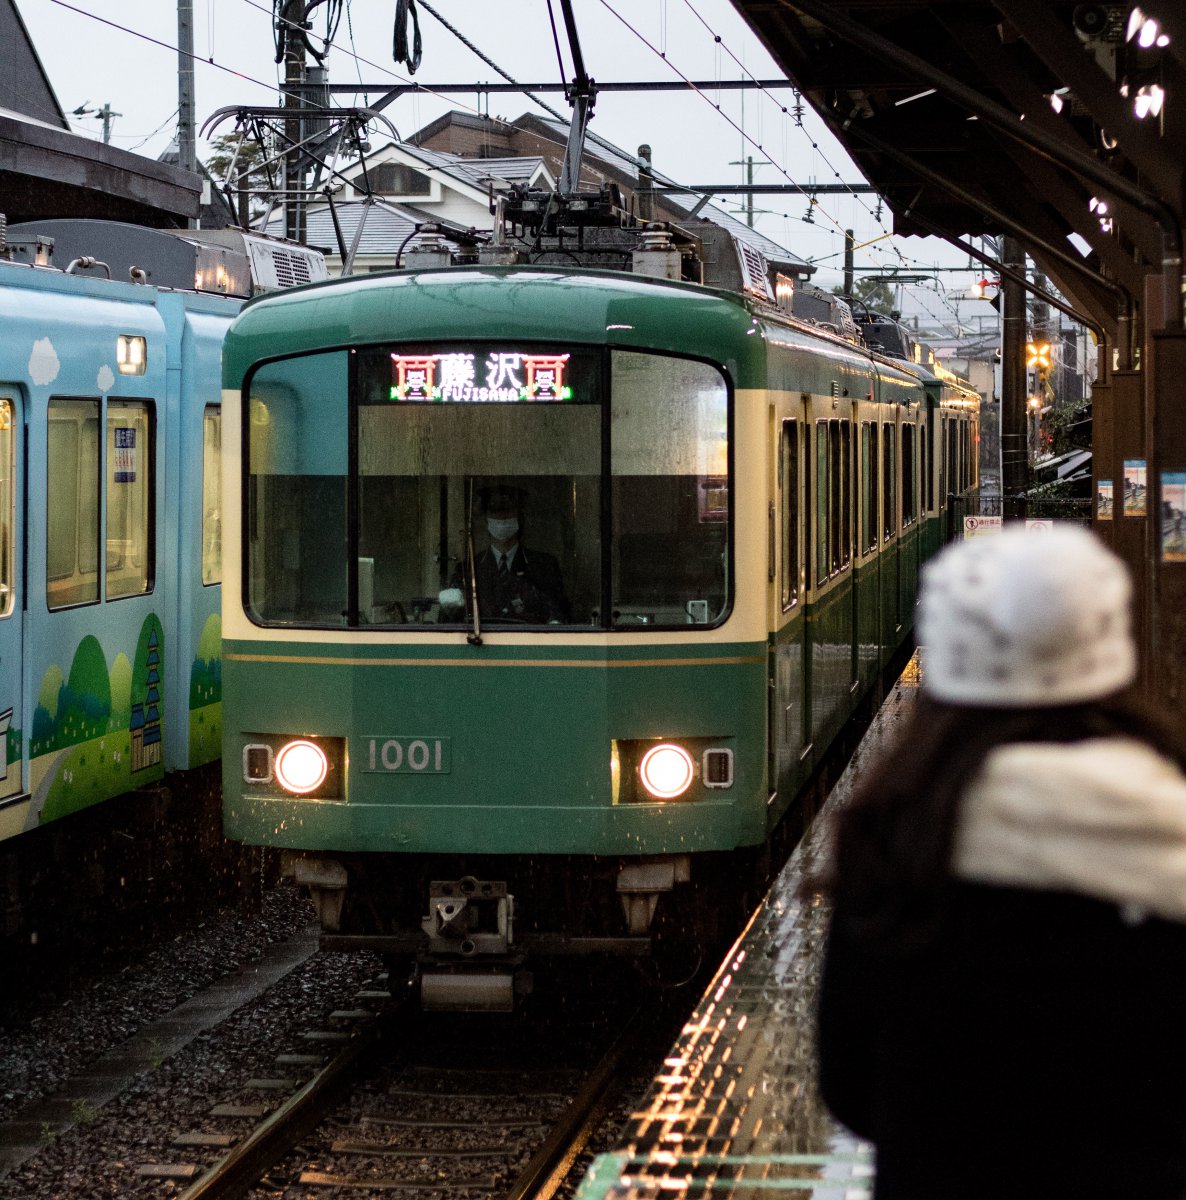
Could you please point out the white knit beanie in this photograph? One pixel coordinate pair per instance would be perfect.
(1025, 619)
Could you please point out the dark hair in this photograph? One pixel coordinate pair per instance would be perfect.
(895, 837)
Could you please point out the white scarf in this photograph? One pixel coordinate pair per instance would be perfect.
(1104, 818)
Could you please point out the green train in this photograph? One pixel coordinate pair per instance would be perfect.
(552, 587)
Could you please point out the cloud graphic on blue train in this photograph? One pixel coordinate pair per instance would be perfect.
(106, 379)
(44, 364)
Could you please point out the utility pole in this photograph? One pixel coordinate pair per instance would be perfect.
(108, 116)
(848, 266)
(187, 154)
(292, 29)
(105, 114)
(1014, 460)
(748, 163)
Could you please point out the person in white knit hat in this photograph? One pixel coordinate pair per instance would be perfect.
(1003, 1003)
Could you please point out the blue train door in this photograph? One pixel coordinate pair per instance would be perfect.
(11, 602)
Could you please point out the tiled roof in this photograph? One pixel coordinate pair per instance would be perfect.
(475, 172)
(384, 230)
(629, 164)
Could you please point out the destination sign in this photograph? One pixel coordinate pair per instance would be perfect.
(490, 377)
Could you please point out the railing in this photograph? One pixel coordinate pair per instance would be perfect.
(1076, 509)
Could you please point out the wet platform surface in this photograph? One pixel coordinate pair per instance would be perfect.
(736, 1109)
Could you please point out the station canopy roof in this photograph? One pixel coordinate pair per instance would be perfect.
(1009, 117)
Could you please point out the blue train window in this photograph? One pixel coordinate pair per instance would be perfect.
(212, 494)
(130, 491)
(72, 503)
(7, 506)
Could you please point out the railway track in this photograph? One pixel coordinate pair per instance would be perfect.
(379, 1098)
(431, 1123)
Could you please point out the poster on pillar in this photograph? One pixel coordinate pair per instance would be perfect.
(1134, 487)
(1103, 500)
(1173, 516)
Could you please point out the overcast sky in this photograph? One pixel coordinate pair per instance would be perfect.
(91, 64)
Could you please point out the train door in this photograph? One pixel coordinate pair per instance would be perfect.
(12, 721)
(788, 730)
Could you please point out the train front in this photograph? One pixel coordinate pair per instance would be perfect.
(490, 681)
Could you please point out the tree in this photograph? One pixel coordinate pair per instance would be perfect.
(248, 169)
(876, 293)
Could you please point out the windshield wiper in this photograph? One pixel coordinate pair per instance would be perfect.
(474, 638)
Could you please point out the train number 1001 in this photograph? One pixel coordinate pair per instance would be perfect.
(406, 755)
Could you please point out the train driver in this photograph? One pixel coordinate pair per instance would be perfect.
(514, 583)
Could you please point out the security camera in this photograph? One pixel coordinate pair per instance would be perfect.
(1091, 20)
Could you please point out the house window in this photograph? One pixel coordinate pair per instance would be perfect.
(398, 179)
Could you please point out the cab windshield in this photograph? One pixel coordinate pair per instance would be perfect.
(547, 487)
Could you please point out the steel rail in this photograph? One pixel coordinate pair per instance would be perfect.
(551, 1164)
(239, 1170)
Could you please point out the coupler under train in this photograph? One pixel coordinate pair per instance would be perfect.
(471, 952)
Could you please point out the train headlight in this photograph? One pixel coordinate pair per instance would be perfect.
(301, 766)
(666, 771)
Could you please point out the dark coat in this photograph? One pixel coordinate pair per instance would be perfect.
(1036, 1050)
(532, 590)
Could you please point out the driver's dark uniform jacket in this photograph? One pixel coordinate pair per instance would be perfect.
(530, 588)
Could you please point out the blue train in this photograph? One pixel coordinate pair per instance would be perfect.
(110, 522)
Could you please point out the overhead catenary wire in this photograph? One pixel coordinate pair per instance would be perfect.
(211, 60)
(748, 139)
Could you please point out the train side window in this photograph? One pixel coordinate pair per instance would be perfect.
(808, 511)
(822, 542)
(889, 479)
(908, 487)
(924, 468)
(949, 463)
(790, 514)
(7, 506)
(941, 450)
(845, 493)
(212, 494)
(835, 491)
(869, 486)
(131, 538)
(72, 503)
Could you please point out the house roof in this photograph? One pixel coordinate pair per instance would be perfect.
(476, 173)
(628, 164)
(384, 229)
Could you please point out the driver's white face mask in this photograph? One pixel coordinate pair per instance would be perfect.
(502, 528)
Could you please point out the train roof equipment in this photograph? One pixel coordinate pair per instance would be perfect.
(225, 262)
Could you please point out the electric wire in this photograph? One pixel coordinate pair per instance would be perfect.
(395, 75)
(902, 259)
(211, 61)
(556, 43)
(806, 191)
